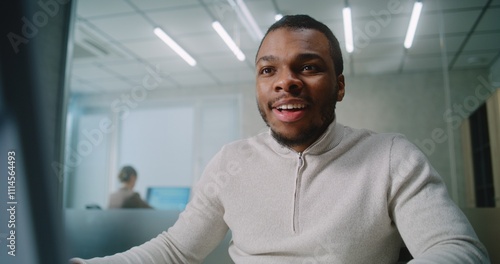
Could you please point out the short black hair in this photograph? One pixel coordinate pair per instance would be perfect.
(126, 173)
(295, 22)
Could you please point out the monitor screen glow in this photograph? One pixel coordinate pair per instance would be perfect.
(168, 198)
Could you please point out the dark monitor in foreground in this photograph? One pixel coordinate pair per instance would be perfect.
(168, 198)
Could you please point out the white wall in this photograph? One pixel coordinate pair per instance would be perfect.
(158, 143)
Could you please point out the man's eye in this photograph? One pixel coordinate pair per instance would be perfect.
(309, 68)
(266, 71)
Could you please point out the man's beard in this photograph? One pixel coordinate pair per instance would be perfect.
(312, 133)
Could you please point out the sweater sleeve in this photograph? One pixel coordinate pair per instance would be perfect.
(433, 228)
(197, 231)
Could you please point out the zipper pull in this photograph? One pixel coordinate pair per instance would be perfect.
(300, 159)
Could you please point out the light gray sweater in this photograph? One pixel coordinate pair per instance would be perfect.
(353, 196)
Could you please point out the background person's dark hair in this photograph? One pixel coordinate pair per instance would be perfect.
(126, 173)
(307, 22)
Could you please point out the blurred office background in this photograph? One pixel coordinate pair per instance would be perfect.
(118, 95)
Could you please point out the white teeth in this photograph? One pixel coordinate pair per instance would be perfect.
(291, 106)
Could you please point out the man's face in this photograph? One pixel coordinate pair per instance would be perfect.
(296, 85)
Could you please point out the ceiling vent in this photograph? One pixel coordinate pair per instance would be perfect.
(89, 44)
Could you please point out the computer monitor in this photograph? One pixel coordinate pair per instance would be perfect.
(168, 198)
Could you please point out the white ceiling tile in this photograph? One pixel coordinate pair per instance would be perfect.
(382, 11)
(199, 79)
(262, 11)
(180, 22)
(483, 42)
(151, 48)
(172, 65)
(322, 10)
(239, 34)
(161, 4)
(374, 50)
(125, 27)
(432, 45)
(490, 20)
(365, 30)
(427, 45)
(130, 68)
(224, 61)
(94, 8)
(447, 5)
(211, 43)
(453, 22)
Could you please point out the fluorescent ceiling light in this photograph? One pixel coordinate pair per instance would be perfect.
(415, 15)
(278, 17)
(228, 40)
(173, 45)
(247, 19)
(349, 41)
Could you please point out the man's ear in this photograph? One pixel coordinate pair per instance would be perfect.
(341, 87)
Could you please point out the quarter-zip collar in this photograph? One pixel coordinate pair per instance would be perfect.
(329, 140)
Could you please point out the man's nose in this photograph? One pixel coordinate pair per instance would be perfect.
(289, 82)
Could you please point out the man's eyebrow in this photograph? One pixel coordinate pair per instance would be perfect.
(302, 57)
(266, 58)
(309, 56)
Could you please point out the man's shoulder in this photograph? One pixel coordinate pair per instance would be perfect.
(368, 134)
(251, 141)
(367, 139)
(396, 143)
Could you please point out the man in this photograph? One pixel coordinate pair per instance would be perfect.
(311, 190)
